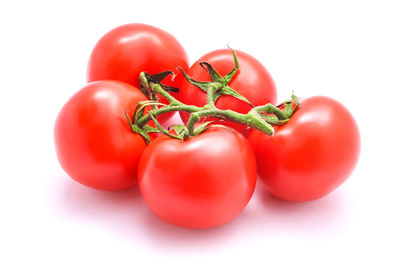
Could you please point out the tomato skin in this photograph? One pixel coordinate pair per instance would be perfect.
(127, 50)
(202, 182)
(252, 81)
(93, 140)
(124, 52)
(312, 154)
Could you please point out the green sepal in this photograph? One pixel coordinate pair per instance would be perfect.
(295, 99)
(180, 130)
(288, 109)
(226, 90)
(150, 129)
(128, 119)
(145, 87)
(202, 85)
(217, 81)
(232, 73)
(214, 75)
(271, 119)
(136, 129)
(284, 103)
(279, 122)
(290, 106)
(139, 110)
(157, 78)
(296, 102)
(139, 107)
(202, 128)
(145, 80)
(142, 132)
(161, 129)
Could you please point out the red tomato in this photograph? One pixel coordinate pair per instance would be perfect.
(94, 142)
(251, 81)
(312, 154)
(202, 182)
(124, 52)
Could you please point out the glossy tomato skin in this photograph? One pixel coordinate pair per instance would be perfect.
(124, 52)
(202, 182)
(252, 81)
(93, 140)
(127, 50)
(312, 154)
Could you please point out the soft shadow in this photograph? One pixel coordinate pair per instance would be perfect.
(126, 214)
(167, 236)
(113, 211)
(328, 215)
(75, 198)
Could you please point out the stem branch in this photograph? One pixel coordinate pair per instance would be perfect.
(257, 117)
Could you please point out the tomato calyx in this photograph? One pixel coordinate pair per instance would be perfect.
(261, 118)
(156, 78)
(218, 85)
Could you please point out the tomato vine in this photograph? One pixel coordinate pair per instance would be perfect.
(261, 118)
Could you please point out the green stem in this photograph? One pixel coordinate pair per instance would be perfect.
(210, 96)
(158, 89)
(146, 118)
(271, 109)
(257, 118)
(251, 119)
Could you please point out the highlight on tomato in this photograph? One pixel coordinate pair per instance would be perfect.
(94, 143)
(311, 155)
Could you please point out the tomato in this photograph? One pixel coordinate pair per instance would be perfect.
(251, 81)
(94, 142)
(202, 182)
(312, 154)
(124, 52)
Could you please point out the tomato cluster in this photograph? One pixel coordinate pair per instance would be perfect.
(109, 135)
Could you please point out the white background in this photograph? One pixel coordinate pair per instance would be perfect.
(349, 50)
